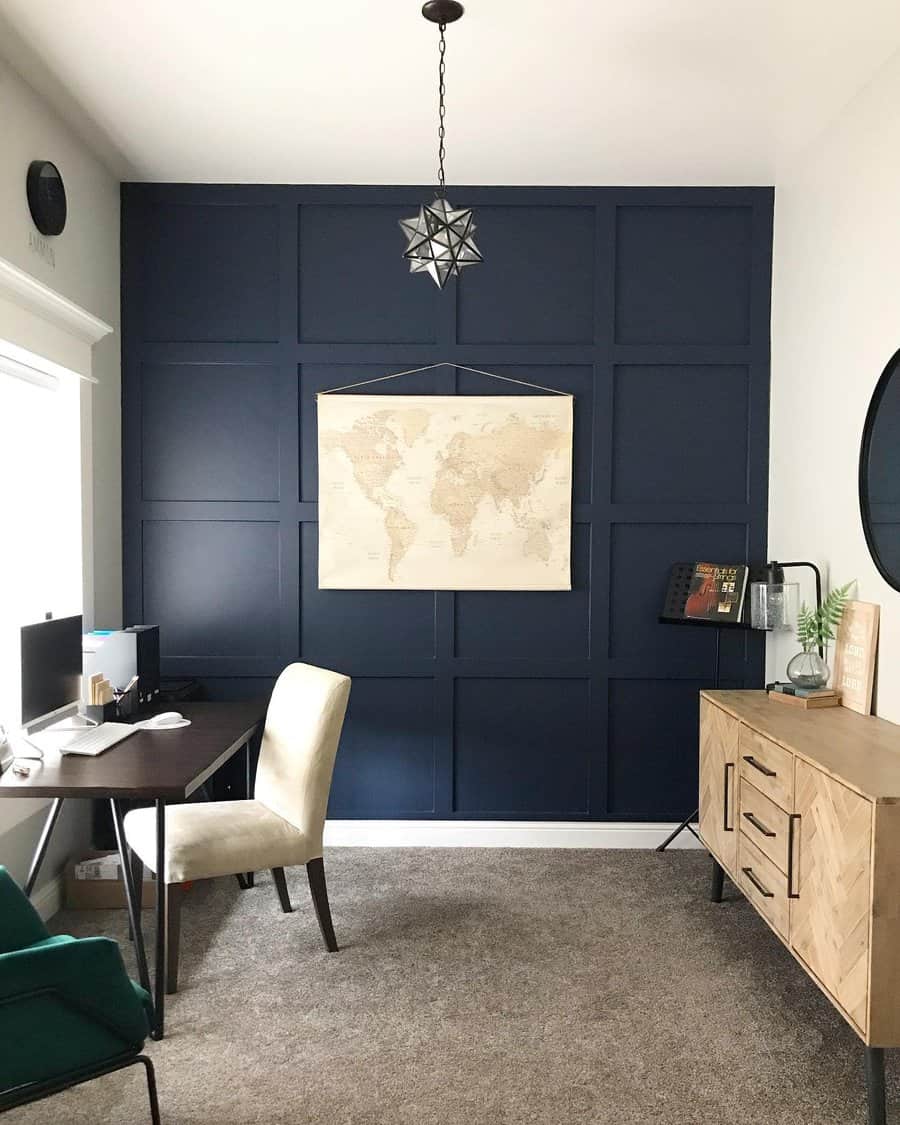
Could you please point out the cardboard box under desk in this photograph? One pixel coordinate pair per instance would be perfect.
(103, 893)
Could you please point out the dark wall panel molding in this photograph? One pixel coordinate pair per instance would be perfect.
(650, 305)
(221, 443)
(226, 284)
(683, 275)
(347, 259)
(549, 251)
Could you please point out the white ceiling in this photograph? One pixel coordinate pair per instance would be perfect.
(539, 91)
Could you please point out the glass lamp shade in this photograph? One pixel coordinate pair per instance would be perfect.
(774, 605)
(440, 241)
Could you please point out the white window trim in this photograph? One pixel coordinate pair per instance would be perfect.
(43, 322)
(42, 335)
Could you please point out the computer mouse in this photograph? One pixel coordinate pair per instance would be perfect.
(166, 719)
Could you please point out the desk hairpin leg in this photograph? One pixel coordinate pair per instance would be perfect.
(41, 849)
(246, 878)
(248, 793)
(131, 899)
(162, 921)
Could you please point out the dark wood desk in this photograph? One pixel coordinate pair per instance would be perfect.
(158, 766)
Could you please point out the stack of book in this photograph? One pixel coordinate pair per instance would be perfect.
(807, 698)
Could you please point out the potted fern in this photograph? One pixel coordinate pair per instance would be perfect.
(815, 628)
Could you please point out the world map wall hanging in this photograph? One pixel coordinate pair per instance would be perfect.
(430, 492)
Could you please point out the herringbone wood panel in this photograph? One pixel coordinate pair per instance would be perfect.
(830, 919)
(718, 747)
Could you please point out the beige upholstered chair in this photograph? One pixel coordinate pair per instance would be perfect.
(281, 827)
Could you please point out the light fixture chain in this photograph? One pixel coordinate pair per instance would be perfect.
(441, 108)
(439, 240)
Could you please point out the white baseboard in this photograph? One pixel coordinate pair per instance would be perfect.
(500, 834)
(49, 899)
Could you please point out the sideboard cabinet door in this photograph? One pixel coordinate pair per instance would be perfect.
(832, 879)
(718, 783)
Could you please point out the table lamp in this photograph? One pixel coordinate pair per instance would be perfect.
(774, 603)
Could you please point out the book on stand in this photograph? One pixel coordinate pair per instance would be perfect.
(717, 592)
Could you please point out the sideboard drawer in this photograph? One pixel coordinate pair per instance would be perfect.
(764, 885)
(765, 824)
(768, 766)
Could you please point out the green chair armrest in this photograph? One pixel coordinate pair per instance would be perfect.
(20, 923)
(88, 974)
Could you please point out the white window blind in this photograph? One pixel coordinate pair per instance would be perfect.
(40, 514)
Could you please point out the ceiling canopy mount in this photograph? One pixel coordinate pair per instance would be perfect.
(442, 11)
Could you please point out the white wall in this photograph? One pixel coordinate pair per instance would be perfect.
(85, 268)
(835, 323)
(83, 265)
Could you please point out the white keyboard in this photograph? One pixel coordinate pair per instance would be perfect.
(95, 740)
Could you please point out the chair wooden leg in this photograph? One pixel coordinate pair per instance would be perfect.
(315, 871)
(175, 893)
(281, 887)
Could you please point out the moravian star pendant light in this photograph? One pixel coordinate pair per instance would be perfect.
(439, 238)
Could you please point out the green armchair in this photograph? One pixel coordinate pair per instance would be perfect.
(68, 1011)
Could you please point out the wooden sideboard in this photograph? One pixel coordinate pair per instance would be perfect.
(802, 810)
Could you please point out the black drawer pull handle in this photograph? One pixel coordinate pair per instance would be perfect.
(748, 871)
(793, 821)
(728, 827)
(758, 825)
(759, 766)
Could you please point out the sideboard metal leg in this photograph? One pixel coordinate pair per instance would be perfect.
(875, 1086)
(718, 883)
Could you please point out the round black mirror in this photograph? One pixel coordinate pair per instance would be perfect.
(879, 474)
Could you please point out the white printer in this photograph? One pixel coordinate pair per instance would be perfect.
(121, 654)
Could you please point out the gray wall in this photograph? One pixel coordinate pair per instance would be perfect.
(70, 837)
(83, 266)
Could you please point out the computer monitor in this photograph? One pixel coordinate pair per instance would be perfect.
(51, 668)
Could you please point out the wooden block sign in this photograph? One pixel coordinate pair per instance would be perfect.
(854, 655)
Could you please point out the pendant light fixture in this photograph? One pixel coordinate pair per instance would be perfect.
(439, 238)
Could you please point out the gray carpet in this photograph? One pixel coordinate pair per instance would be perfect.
(485, 987)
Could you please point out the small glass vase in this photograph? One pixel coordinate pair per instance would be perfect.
(808, 670)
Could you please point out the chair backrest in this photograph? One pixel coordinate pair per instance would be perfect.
(20, 923)
(299, 744)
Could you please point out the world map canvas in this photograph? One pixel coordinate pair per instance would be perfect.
(427, 492)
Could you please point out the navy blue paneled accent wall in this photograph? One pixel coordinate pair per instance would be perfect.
(650, 305)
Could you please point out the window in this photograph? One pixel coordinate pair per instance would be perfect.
(40, 512)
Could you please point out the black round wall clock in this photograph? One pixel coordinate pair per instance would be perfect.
(46, 197)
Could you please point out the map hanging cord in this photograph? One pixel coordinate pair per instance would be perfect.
(445, 363)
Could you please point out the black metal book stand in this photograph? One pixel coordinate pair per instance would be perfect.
(673, 614)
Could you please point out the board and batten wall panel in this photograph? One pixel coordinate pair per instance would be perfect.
(650, 305)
